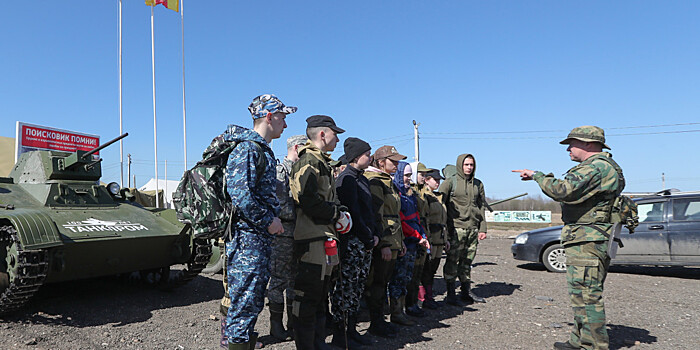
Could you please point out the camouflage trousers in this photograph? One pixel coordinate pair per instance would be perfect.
(421, 260)
(461, 255)
(350, 284)
(247, 273)
(586, 268)
(403, 272)
(282, 269)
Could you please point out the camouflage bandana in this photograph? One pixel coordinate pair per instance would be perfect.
(268, 103)
(587, 133)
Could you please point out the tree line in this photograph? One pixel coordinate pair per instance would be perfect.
(537, 202)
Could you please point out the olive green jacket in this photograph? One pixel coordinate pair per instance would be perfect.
(313, 188)
(465, 199)
(386, 202)
(436, 218)
(422, 203)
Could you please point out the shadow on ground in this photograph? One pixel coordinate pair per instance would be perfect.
(109, 300)
(494, 289)
(627, 337)
(532, 267)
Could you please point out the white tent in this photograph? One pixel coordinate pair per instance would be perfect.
(167, 186)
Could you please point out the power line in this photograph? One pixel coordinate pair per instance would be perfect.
(560, 130)
(392, 137)
(554, 137)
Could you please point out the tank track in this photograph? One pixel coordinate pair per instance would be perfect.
(199, 260)
(30, 269)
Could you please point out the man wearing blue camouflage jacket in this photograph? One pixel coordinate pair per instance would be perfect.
(248, 248)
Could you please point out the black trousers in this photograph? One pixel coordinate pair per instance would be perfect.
(380, 272)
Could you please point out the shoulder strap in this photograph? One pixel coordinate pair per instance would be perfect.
(617, 168)
(262, 160)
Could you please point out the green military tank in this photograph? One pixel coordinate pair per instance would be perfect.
(57, 223)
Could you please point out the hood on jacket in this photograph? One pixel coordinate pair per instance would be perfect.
(460, 168)
(414, 176)
(398, 177)
(310, 147)
(239, 133)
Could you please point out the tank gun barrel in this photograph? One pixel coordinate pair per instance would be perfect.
(91, 165)
(98, 148)
(488, 205)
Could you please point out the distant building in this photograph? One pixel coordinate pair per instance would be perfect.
(7, 155)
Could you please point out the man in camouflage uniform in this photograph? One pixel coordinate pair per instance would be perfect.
(466, 226)
(586, 194)
(282, 265)
(313, 188)
(248, 247)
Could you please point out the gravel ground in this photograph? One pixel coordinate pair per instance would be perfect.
(527, 308)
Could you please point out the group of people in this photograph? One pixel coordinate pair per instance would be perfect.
(373, 232)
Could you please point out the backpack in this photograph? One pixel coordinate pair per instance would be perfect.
(623, 209)
(201, 199)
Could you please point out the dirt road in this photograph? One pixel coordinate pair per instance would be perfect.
(527, 308)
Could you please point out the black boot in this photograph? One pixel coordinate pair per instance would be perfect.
(565, 346)
(341, 338)
(468, 296)
(320, 332)
(378, 326)
(250, 345)
(290, 327)
(276, 327)
(451, 297)
(303, 334)
(397, 314)
(354, 335)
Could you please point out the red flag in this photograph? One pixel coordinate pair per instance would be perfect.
(171, 4)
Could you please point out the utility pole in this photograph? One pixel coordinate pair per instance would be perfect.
(663, 181)
(165, 198)
(415, 141)
(128, 167)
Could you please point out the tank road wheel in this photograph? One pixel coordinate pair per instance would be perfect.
(201, 254)
(166, 279)
(155, 277)
(554, 258)
(21, 271)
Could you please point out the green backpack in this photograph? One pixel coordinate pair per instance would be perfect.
(201, 199)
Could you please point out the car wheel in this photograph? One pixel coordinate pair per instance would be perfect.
(554, 258)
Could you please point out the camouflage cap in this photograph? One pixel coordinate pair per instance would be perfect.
(296, 140)
(268, 103)
(586, 133)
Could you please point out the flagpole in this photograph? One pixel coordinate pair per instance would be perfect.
(121, 144)
(184, 116)
(155, 133)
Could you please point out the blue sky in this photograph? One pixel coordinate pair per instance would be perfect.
(504, 80)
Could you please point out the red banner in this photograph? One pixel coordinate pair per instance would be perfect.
(57, 140)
